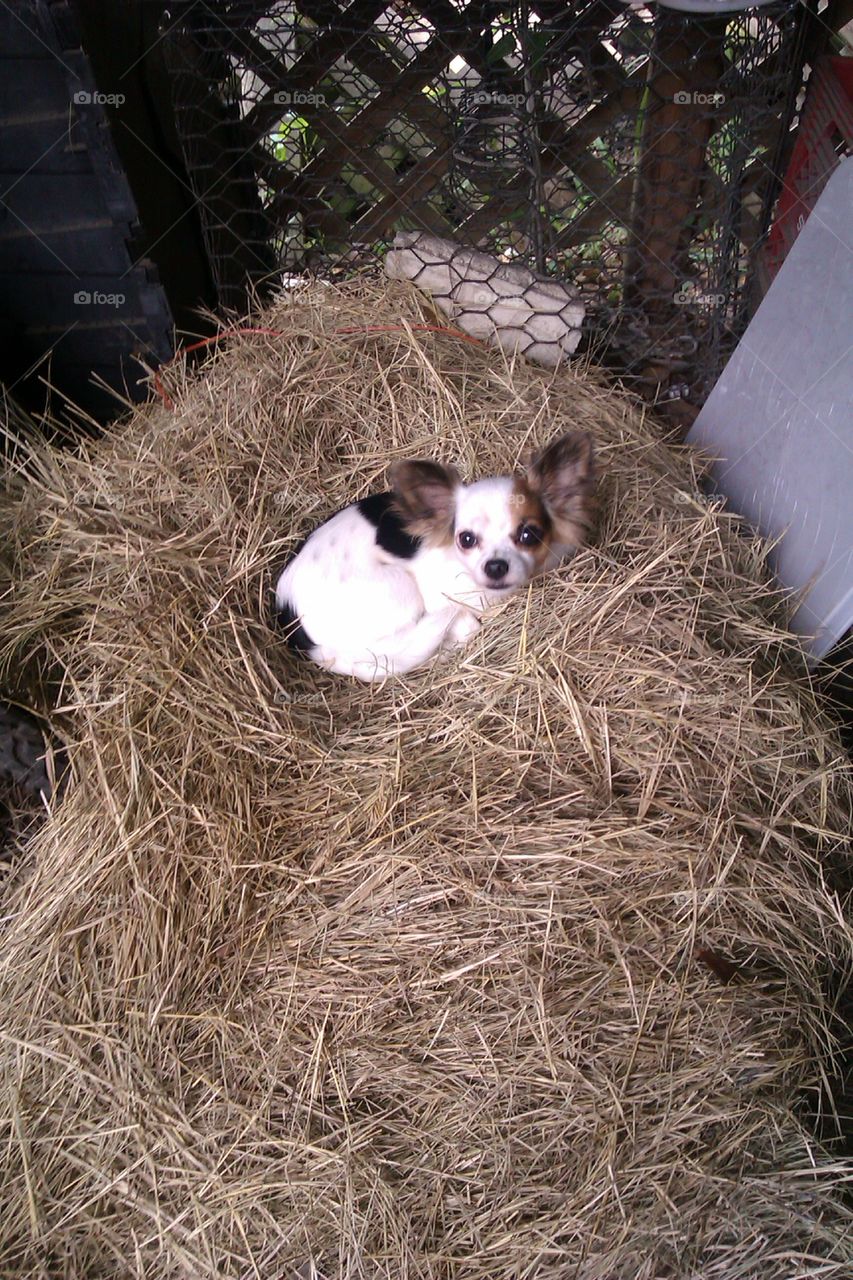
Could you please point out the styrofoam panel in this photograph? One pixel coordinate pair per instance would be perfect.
(780, 420)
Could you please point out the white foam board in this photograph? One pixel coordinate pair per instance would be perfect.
(780, 420)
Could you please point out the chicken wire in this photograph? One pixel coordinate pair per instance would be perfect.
(629, 151)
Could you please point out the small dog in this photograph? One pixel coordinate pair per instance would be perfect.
(389, 581)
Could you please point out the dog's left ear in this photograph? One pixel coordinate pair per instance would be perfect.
(425, 498)
(563, 476)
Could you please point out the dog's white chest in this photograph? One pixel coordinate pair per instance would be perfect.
(443, 581)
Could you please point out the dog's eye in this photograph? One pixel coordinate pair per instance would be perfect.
(529, 535)
(467, 539)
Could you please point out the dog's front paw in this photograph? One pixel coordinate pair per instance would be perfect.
(465, 625)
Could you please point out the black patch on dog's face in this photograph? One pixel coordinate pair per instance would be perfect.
(297, 637)
(391, 536)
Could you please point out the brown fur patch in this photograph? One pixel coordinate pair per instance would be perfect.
(425, 500)
(528, 508)
(563, 477)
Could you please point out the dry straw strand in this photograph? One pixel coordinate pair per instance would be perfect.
(301, 977)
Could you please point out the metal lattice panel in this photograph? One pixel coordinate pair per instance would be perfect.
(624, 149)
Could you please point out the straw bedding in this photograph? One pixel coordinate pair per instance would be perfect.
(516, 967)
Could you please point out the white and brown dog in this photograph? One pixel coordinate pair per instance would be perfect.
(387, 582)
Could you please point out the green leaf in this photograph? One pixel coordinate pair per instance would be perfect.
(501, 49)
(538, 43)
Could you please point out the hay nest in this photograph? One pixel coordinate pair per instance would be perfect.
(513, 968)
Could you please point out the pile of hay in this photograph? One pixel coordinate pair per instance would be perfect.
(516, 967)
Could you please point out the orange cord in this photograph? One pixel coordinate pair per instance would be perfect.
(280, 333)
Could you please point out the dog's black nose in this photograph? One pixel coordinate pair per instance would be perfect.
(496, 569)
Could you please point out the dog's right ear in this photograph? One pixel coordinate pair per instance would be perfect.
(563, 477)
(425, 498)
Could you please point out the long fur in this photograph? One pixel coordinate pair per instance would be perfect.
(563, 476)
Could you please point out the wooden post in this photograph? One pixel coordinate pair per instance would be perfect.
(685, 72)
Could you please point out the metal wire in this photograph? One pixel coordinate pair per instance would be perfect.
(621, 148)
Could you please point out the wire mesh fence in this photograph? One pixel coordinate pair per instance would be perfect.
(628, 151)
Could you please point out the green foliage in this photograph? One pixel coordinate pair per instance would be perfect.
(537, 44)
(293, 140)
(504, 47)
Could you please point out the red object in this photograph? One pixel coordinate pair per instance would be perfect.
(824, 138)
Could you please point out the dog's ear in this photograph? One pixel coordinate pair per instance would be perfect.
(563, 477)
(425, 498)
